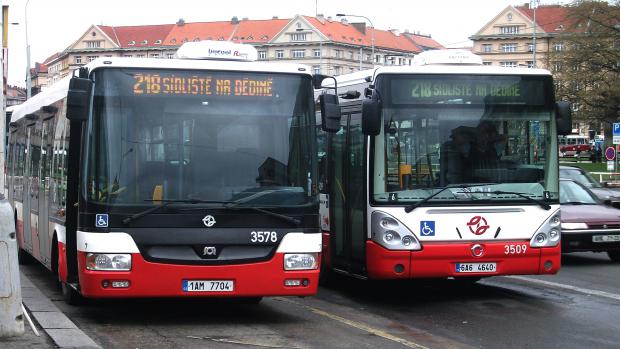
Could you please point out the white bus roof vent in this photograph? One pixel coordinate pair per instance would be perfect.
(217, 50)
(454, 56)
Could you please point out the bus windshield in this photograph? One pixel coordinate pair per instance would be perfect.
(203, 135)
(474, 138)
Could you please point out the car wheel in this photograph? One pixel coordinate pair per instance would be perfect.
(614, 256)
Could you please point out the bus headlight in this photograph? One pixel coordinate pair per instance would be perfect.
(548, 234)
(108, 261)
(392, 234)
(300, 261)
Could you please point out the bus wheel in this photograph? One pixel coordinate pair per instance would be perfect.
(614, 256)
(70, 295)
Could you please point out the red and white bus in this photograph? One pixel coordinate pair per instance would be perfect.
(444, 169)
(171, 177)
(574, 146)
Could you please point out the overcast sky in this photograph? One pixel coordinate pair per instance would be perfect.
(55, 24)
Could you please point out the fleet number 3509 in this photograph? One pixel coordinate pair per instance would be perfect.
(515, 249)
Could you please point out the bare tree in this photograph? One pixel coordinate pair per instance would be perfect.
(588, 67)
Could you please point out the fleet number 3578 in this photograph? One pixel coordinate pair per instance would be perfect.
(263, 236)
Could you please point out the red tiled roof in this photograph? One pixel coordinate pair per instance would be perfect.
(347, 33)
(424, 42)
(549, 17)
(258, 31)
(141, 35)
(201, 30)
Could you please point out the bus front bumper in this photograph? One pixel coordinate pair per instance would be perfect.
(440, 260)
(148, 279)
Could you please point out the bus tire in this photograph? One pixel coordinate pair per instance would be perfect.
(614, 256)
(70, 295)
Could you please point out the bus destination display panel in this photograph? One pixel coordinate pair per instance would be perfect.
(455, 89)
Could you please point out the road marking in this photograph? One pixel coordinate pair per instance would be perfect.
(358, 325)
(586, 291)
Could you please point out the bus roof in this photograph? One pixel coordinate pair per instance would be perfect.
(59, 90)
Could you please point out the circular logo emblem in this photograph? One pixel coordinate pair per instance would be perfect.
(477, 250)
(208, 221)
(478, 225)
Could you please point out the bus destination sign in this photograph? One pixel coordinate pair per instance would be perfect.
(456, 90)
(151, 84)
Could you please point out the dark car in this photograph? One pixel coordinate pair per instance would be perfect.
(588, 224)
(610, 196)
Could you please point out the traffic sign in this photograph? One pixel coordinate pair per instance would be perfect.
(616, 133)
(610, 153)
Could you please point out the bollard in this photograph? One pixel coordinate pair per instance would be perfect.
(11, 316)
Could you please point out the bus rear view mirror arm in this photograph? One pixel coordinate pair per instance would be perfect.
(564, 119)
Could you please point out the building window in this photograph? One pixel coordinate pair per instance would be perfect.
(93, 44)
(127, 56)
(91, 58)
(337, 70)
(487, 48)
(298, 37)
(316, 69)
(155, 55)
(350, 54)
(170, 55)
(279, 54)
(299, 53)
(530, 64)
(262, 54)
(317, 52)
(77, 59)
(530, 47)
(486, 63)
(509, 30)
(557, 66)
(338, 53)
(558, 46)
(140, 56)
(508, 64)
(509, 47)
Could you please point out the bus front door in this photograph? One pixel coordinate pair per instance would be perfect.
(348, 195)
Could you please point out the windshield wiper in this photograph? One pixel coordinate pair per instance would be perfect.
(542, 204)
(451, 186)
(164, 204)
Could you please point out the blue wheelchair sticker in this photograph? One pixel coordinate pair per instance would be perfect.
(427, 228)
(101, 220)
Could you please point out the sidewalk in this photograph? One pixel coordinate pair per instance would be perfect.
(56, 330)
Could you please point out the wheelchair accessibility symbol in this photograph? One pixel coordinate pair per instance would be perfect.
(427, 228)
(101, 220)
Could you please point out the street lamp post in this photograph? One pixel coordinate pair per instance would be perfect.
(28, 77)
(534, 4)
(372, 34)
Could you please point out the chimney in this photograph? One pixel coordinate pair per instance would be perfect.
(329, 18)
(181, 22)
(361, 27)
(396, 32)
(526, 5)
(274, 17)
(234, 20)
(344, 21)
(406, 31)
(245, 18)
(321, 18)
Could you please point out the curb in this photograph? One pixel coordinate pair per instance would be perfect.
(57, 325)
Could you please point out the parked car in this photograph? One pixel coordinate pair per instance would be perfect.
(588, 224)
(609, 196)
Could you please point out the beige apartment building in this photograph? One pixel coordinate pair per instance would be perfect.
(327, 45)
(514, 39)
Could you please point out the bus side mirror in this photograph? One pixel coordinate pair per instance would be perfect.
(78, 99)
(317, 80)
(330, 113)
(564, 118)
(371, 116)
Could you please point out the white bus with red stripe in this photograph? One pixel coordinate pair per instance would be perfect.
(443, 169)
(184, 177)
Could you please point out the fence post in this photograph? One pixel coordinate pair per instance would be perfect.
(11, 316)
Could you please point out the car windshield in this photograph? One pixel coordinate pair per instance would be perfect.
(571, 193)
(177, 135)
(432, 140)
(580, 176)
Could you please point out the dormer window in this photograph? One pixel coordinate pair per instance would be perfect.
(157, 42)
(131, 43)
(144, 42)
(196, 39)
(264, 37)
(250, 37)
(173, 41)
(509, 16)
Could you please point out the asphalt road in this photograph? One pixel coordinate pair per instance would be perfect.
(578, 308)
